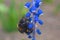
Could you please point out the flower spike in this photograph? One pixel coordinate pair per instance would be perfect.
(31, 19)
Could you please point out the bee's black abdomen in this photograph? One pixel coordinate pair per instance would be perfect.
(23, 26)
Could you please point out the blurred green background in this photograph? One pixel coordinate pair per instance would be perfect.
(10, 15)
(11, 11)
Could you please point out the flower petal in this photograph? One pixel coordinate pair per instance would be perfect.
(40, 22)
(27, 5)
(32, 9)
(28, 14)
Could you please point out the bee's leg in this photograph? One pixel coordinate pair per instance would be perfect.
(20, 30)
(29, 35)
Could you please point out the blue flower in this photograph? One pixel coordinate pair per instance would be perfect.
(38, 1)
(28, 14)
(29, 36)
(30, 26)
(40, 12)
(32, 9)
(30, 19)
(33, 39)
(27, 5)
(35, 18)
(38, 31)
(40, 22)
(37, 5)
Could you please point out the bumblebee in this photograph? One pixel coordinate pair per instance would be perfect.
(23, 26)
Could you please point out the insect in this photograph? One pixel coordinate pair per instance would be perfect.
(23, 26)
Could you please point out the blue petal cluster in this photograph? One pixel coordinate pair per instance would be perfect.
(36, 12)
(38, 31)
(28, 14)
(27, 5)
(29, 36)
(30, 26)
(32, 9)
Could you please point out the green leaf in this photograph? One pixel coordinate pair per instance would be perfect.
(10, 24)
(3, 8)
(1, 1)
(48, 1)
